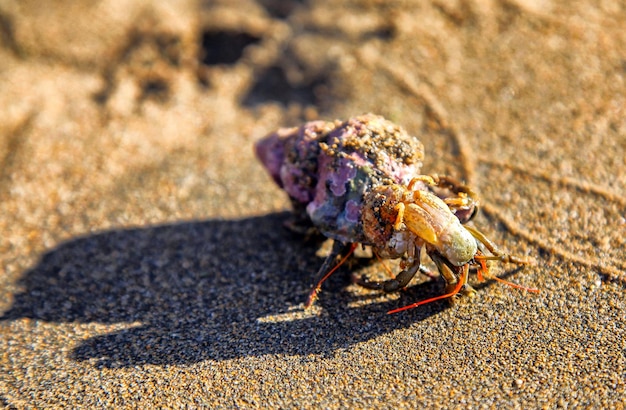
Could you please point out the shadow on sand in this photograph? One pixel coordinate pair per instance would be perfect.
(196, 291)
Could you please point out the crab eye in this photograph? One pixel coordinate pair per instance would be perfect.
(474, 212)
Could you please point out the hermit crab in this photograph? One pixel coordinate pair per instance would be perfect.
(359, 182)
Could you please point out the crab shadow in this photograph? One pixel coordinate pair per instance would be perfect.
(197, 291)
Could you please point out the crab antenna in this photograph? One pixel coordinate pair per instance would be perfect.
(316, 289)
(385, 267)
(515, 285)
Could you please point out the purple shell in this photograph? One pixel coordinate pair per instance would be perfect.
(329, 167)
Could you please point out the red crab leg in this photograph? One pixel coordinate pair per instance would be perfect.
(339, 248)
(456, 290)
(484, 269)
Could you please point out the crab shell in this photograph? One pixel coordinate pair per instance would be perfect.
(337, 171)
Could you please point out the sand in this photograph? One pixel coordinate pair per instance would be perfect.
(143, 255)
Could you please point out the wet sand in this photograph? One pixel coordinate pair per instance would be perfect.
(143, 254)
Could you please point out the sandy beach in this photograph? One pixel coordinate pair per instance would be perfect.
(143, 255)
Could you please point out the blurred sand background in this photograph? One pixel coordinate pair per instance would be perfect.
(143, 259)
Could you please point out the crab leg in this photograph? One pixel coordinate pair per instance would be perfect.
(344, 250)
(457, 288)
(498, 254)
(391, 285)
